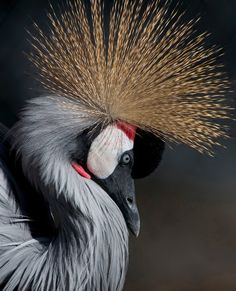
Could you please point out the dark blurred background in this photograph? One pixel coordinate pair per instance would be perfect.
(188, 207)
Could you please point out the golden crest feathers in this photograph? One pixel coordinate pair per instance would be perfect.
(141, 67)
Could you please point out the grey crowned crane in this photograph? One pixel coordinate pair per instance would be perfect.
(117, 88)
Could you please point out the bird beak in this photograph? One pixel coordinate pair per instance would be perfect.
(131, 216)
(120, 187)
(123, 195)
(129, 209)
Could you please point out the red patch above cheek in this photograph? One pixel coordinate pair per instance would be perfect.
(128, 129)
(80, 170)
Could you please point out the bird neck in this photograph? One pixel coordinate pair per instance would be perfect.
(93, 250)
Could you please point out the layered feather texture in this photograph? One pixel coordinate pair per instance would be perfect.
(142, 65)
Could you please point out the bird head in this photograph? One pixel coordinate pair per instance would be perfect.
(107, 158)
(110, 157)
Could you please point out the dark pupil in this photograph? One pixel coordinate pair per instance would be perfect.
(126, 159)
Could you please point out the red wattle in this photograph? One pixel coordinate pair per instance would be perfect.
(80, 170)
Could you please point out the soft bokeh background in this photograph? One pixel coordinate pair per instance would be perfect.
(188, 207)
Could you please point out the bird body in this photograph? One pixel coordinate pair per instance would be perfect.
(67, 167)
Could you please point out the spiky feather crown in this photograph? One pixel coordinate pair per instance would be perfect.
(143, 68)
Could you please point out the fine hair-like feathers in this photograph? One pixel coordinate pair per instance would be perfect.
(141, 66)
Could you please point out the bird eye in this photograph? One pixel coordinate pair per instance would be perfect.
(125, 159)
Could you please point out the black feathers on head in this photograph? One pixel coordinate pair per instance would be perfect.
(148, 151)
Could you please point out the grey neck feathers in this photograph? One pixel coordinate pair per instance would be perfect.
(90, 250)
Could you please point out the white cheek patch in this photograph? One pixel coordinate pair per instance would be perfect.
(106, 150)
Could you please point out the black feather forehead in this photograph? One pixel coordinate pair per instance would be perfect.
(145, 69)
